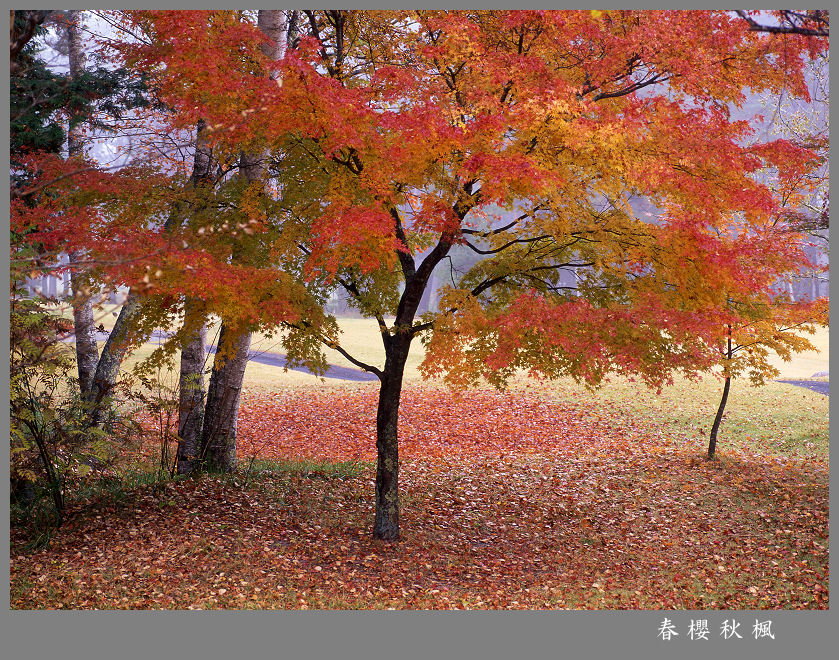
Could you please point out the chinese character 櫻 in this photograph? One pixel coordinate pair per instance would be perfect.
(698, 629)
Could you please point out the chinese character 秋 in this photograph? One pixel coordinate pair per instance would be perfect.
(698, 629)
(763, 629)
(730, 629)
(666, 630)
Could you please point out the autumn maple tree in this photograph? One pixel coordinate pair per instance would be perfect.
(391, 139)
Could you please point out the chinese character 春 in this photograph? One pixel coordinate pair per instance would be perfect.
(763, 629)
(730, 629)
(666, 630)
(698, 629)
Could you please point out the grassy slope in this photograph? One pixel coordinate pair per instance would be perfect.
(774, 418)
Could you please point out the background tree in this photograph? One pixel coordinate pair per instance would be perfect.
(23, 25)
(775, 327)
(45, 107)
(87, 351)
(218, 436)
(90, 99)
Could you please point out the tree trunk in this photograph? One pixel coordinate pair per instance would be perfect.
(191, 399)
(87, 351)
(397, 346)
(75, 146)
(218, 437)
(386, 525)
(273, 24)
(107, 370)
(712, 444)
(191, 391)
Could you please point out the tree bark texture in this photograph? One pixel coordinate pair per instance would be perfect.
(221, 415)
(75, 144)
(87, 351)
(191, 390)
(712, 443)
(272, 23)
(386, 524)
(191, 400)
(84, 327)
(107, 370)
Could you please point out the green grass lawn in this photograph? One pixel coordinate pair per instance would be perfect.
(776, 418)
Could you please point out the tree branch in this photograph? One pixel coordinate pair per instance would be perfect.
(409, 268)
(484, 234)
(506, 245)
(335, 346)
(818, 17)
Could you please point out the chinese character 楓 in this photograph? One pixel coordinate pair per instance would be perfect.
(763, 629)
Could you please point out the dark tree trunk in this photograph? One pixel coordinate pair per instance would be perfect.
(386, 525)
(22, 492)
(191, 399)
(218, 437)
(712, 443)
(113, 353)
(397, 345)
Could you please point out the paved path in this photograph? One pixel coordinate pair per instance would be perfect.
(820, 386)
(334, 371)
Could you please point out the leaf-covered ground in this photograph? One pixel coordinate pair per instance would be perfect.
(508, 501)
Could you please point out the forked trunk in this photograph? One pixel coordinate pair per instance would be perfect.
(113, 353)
(218, 436)
(191, 400)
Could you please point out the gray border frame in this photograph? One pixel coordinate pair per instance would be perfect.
(506, 635)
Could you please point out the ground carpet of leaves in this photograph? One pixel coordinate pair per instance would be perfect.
(508, 501)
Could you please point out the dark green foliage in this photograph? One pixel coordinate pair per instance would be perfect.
(38, 95)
